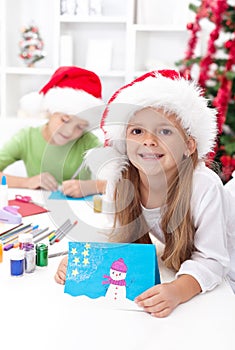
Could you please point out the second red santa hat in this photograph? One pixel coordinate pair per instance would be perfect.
(71, 90)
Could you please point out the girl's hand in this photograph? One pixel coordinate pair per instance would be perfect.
(159, 300)
(162, 299)
(61, 271)
(82, 188)
(45, 181)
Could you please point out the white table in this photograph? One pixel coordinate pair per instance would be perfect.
(36, 314)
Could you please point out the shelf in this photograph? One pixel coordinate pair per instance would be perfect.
(156, 28)
(29, 71)
(92, 19)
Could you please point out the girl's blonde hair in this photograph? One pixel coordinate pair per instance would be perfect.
(176, 219)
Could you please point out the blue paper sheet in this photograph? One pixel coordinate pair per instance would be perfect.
(111, 270)
(59, 195)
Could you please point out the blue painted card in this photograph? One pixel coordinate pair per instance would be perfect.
(58, 195)
(114, 271)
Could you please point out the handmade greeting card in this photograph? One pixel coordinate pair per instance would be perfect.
(116, 272)
(58, 195)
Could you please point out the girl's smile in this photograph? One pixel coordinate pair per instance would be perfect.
(151, 156)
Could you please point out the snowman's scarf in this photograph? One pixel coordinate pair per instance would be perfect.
(111, 281)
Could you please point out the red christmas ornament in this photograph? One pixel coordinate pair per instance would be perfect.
(190, 26)
(228, 44)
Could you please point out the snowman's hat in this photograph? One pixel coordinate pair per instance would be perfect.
(119, 265)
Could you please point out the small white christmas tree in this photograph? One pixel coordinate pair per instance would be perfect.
(31, 45)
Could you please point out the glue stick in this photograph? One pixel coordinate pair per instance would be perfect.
(3, 192)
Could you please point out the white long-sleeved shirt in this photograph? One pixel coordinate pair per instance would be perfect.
(209, 263)
(230, 215)
(229, 188)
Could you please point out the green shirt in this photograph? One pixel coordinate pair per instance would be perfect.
(39, 156)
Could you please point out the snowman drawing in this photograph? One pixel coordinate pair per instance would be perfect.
(116, 280)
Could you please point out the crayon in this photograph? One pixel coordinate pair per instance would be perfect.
(15, 236)
(60, 230)
(13, 232)
(53, 255)
(38, 233)
(31, 229)
(44, 236)
(51, 235)
(63, 234)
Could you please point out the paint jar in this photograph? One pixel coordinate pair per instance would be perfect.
(1, 252)
(24, 238)
(41, 254)
(29, 256)
(97, 203)
(17, 262)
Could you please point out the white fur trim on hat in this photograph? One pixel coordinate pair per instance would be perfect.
(64, 100)
(69, 101)
(179, 96)
(74, 102)
(105, 161)
(106, 164)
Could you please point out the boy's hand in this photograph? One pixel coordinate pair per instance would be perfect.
(82, 188)
(61, 271)
(45, 181)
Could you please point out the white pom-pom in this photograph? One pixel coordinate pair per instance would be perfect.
(106, 163)
(31, 105)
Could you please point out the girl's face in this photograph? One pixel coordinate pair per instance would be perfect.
(63, 128)
(156, 143)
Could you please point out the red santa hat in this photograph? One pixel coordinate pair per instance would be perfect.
(165, 89)
(71, 90)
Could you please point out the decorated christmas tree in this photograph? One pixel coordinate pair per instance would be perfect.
(215, 71)
(31, 45)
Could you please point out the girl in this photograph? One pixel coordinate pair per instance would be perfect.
(159, 130)
(53, 152)
(230, 214)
